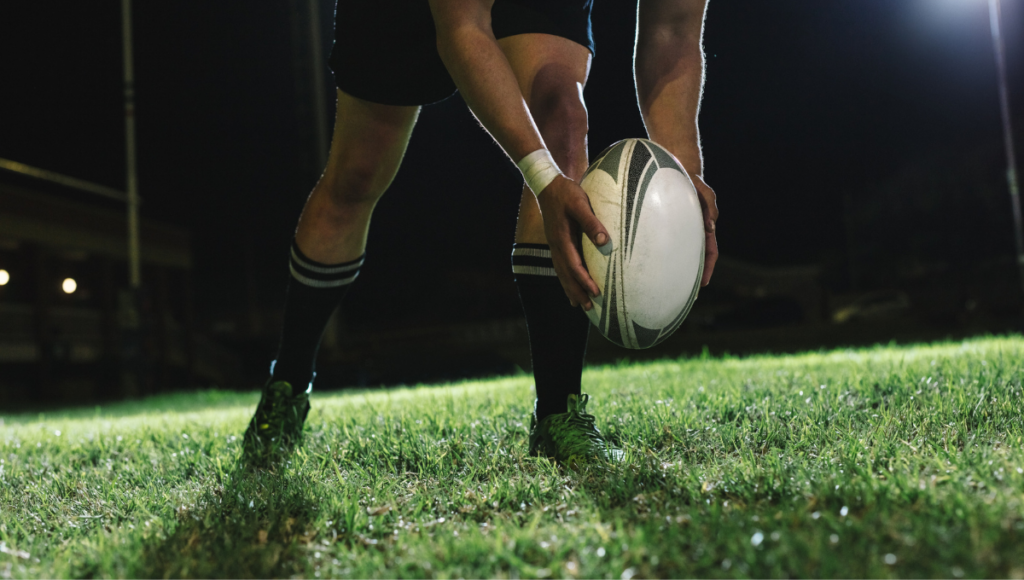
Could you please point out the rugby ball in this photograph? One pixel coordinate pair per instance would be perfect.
(650, 279)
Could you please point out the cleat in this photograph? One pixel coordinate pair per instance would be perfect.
(571, 437)
(276, 427)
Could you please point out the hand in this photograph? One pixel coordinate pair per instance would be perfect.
(566, 209)
(709, 206)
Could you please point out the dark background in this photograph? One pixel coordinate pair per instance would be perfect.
(858, 136)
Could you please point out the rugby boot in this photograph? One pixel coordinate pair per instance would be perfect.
(276, 427)
(571, 437)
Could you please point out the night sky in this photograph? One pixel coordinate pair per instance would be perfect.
(814, 112)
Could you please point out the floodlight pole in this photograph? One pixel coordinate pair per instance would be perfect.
(132, 185)
(995, 17)
(131, 323)
(317, 67)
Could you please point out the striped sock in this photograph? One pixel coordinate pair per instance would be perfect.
(314, 291)
(558, 332)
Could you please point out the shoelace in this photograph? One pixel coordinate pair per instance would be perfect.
(585, 422)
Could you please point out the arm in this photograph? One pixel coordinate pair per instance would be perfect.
(669, 71)
(476, 63)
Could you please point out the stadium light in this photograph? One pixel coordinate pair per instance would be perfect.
(5, 277)
(69, 285)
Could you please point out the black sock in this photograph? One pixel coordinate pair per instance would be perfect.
(558, 332)
(314, 291)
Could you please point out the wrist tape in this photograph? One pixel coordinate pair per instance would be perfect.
(539, 169)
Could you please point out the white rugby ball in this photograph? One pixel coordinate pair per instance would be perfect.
(649, 281)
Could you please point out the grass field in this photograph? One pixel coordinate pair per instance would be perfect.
(889, 461)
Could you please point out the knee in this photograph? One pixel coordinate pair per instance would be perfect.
(561, 118)
(355, 182)
(560, 110)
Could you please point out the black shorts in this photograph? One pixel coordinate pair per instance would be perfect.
(385, 51)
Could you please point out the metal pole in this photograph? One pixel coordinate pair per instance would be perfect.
(995, 15)
(317, 69)
(131, 338)
(132, 185)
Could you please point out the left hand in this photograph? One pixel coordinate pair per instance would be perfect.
(709, 207)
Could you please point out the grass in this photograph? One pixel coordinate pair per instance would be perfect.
(887, 461)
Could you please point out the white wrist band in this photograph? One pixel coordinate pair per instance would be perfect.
(539, 169)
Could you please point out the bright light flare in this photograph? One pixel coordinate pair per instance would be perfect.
(5, 277)
(69, 285)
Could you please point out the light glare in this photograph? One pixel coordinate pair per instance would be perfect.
(69, 285)
(5, 277)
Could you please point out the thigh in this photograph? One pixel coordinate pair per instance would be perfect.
(367, 146)
(551, 71)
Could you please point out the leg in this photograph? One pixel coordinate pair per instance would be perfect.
(366, 151)
(551, 71)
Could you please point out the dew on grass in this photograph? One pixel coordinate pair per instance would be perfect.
(756, 539)
(890, 559)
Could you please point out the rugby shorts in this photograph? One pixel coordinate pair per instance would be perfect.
(385, 51)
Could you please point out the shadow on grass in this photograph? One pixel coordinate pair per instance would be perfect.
(255, 526)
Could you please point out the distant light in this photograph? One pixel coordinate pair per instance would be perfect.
(5, 277)
(69, 285)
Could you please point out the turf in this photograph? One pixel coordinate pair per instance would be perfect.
(888, 461)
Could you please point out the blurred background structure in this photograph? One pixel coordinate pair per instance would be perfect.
(856, 147)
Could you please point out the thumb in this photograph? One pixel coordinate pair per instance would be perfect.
(592, 227)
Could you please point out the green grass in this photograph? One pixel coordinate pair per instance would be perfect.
(889, 461)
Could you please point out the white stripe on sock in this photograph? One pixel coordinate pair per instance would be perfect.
(325, 269)
(533, 270)
(322, 283)
(535, 252)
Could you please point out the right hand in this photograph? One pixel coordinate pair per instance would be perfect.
(566, 210)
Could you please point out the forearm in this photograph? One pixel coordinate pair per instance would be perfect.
(669, 74)
(480, 70)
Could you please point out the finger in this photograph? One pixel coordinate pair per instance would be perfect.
(562, 248)
(576, 293)
(574, 264)
(708, 202)
(585, 285)
(710, 257)
(583, 214)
